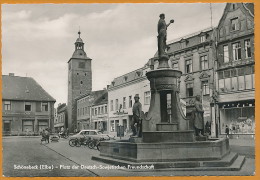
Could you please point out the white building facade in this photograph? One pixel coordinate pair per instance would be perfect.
(121, 98)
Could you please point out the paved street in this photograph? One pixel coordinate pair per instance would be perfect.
(28, 151)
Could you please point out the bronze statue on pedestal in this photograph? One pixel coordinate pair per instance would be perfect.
(162, 35)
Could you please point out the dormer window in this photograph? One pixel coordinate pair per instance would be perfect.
(184, 43)
(234, 24)
(138, 73)
(203, 38)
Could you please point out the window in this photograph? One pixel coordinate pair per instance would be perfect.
(221, 85)
(248, 48)
(203, 38)
(78, 112)
(130, 101)
(27, 106)
(205, 87)
(236, 51)
(147, 97)
(248, 81)
(44, 106)
(189, 89)
(175, 66)
(81, 82)
(226, 54)
(28, 126)
(204, 62)
(124, 102)
(96, 111)
(82, 65)
(116, 104)
(241, 79)
(99, 112)
(234, 84)
(7, 105)
(234, 24)
(112, 126)
(241, 82)
(105, 109)
(111, 105)
(188, 66)
(102, 110)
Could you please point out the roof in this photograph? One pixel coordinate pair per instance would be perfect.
(23, 88)
(79, 40)
(103, 99)
(192, 39)
(250, 7)
(94, 94)
(131, 76)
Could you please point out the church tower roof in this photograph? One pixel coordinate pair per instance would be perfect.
(79, 52)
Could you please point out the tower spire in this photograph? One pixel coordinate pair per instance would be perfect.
(79, 32)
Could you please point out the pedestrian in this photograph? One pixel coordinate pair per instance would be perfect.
(68, 132)
(227, 131)
(47, 135)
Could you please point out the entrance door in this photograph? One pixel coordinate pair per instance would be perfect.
(7, 127)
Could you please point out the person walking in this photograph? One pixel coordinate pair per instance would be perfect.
(227, 131)
(47, 135)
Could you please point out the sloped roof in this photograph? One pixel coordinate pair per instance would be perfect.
(191, 39)
(250, 7)
(23, 88)
(131, 76)
(103, 99)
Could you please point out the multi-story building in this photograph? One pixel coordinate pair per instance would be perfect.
(235, 103)
(84, 106)
(62, 118)
(79, 80)
(27, 107)
(99, 113)
(121, 94)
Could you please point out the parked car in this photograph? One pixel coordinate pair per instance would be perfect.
(93, 134)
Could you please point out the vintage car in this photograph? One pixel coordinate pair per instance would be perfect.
(93, 134)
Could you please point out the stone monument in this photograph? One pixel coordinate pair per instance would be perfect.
(168, 143)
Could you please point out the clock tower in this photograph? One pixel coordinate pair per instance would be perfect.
(79, 80)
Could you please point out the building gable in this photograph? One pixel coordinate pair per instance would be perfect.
(237, 20)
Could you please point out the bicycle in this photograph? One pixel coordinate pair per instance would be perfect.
(75, 142)
(95, 143)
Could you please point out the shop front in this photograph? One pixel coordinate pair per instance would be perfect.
(238, 117)
(120, 120)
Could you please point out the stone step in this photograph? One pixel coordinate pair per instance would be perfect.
(231, 162)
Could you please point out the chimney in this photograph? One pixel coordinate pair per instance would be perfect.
(11, 74)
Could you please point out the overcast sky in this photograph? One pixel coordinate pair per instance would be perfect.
(38, 39)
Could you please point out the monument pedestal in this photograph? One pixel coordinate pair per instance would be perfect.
(168, 142)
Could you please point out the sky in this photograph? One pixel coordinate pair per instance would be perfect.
(38, 39)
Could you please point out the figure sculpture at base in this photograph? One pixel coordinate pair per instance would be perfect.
(137, 120)
(198, 117)
(162, 35)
